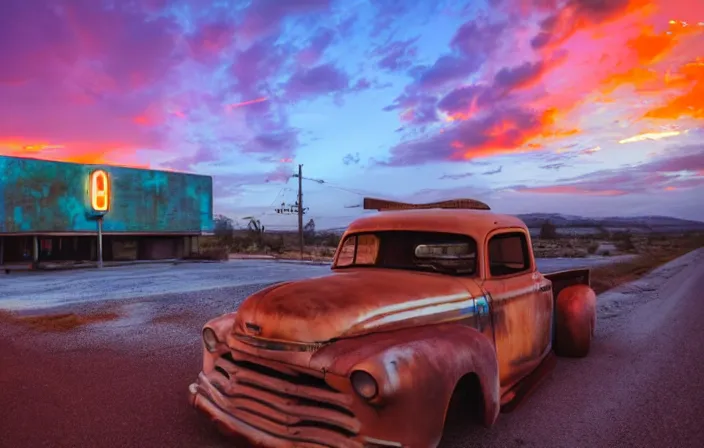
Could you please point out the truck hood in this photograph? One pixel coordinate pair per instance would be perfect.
(346, 303)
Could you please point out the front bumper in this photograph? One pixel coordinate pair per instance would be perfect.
(227, 423)
(237, 415)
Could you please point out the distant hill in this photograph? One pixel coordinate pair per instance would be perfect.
(580, 225)
(570, 224)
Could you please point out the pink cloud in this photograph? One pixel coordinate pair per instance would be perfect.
(478, 38)
(316, 47)
(319, 80)
(210, 40)
(396, 55)
(581, 14)
(275, 145)
(264, 17)
(679, 170)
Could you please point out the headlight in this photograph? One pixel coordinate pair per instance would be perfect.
(364, 384)
(210, 339)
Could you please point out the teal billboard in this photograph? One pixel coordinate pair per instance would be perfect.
(39, 196)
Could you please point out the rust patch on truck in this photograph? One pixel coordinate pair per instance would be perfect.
(418, 303)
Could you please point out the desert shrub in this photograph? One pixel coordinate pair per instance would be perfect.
(329, 240)
(593, 247)
(548, 231)
(327, 251)
(275, 243)
(309, 232)
(223, 230)
(213, 254)
(624, 241)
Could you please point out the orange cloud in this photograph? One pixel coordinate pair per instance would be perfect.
(510, 136)
(645, 72)
(689, 103)
(80, 152)
(637, 76)
(650, 48)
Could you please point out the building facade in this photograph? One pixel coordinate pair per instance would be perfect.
(52, 211)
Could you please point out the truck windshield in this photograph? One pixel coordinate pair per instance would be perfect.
(446, 253)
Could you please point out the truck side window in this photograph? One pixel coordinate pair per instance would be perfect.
(346, 256)
(508, 254)
(359, 250)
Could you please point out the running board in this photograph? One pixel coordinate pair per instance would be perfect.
(523, 389)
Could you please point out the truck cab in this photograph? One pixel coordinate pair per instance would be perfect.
(422, 301)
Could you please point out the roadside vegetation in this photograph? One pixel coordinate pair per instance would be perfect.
(652, 252)
(647, 250)
(232, 239)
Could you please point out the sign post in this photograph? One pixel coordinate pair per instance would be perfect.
(100, 203)
(100, 242)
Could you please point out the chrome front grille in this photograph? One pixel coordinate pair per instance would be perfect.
(284, 402)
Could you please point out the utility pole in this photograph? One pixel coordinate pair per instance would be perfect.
(300, 209)
(297, 208)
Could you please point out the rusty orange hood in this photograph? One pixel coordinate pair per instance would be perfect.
(347, 303)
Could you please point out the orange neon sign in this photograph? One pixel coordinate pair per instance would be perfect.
(99, 191)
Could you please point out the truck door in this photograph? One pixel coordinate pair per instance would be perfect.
(521, 311)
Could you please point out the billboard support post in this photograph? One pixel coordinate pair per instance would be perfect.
(100, 242)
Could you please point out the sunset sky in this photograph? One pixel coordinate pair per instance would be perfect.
(587, 107)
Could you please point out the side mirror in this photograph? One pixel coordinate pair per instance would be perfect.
(451, 251)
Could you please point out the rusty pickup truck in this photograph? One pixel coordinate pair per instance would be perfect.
(433, 313)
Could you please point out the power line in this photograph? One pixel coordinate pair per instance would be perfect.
(281, 190)
(297, 207)
(338, 187)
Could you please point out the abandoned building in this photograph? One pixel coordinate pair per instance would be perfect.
(54, 212)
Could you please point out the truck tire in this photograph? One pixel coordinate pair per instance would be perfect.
(575, 321)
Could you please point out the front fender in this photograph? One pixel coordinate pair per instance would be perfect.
(222, 325)
(417, 370)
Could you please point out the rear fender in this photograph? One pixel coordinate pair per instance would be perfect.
(575, 320)
(417, 370)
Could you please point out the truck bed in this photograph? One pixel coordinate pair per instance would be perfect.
(562, 279)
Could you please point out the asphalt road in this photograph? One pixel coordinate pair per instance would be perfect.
(34, 290)
(123, 384)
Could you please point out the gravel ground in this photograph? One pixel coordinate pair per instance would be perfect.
(123, 383)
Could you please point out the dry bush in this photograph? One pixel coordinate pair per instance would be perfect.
(210, 254)
(560, 247)
(604, 278)
(310, 253)
(607, 277)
